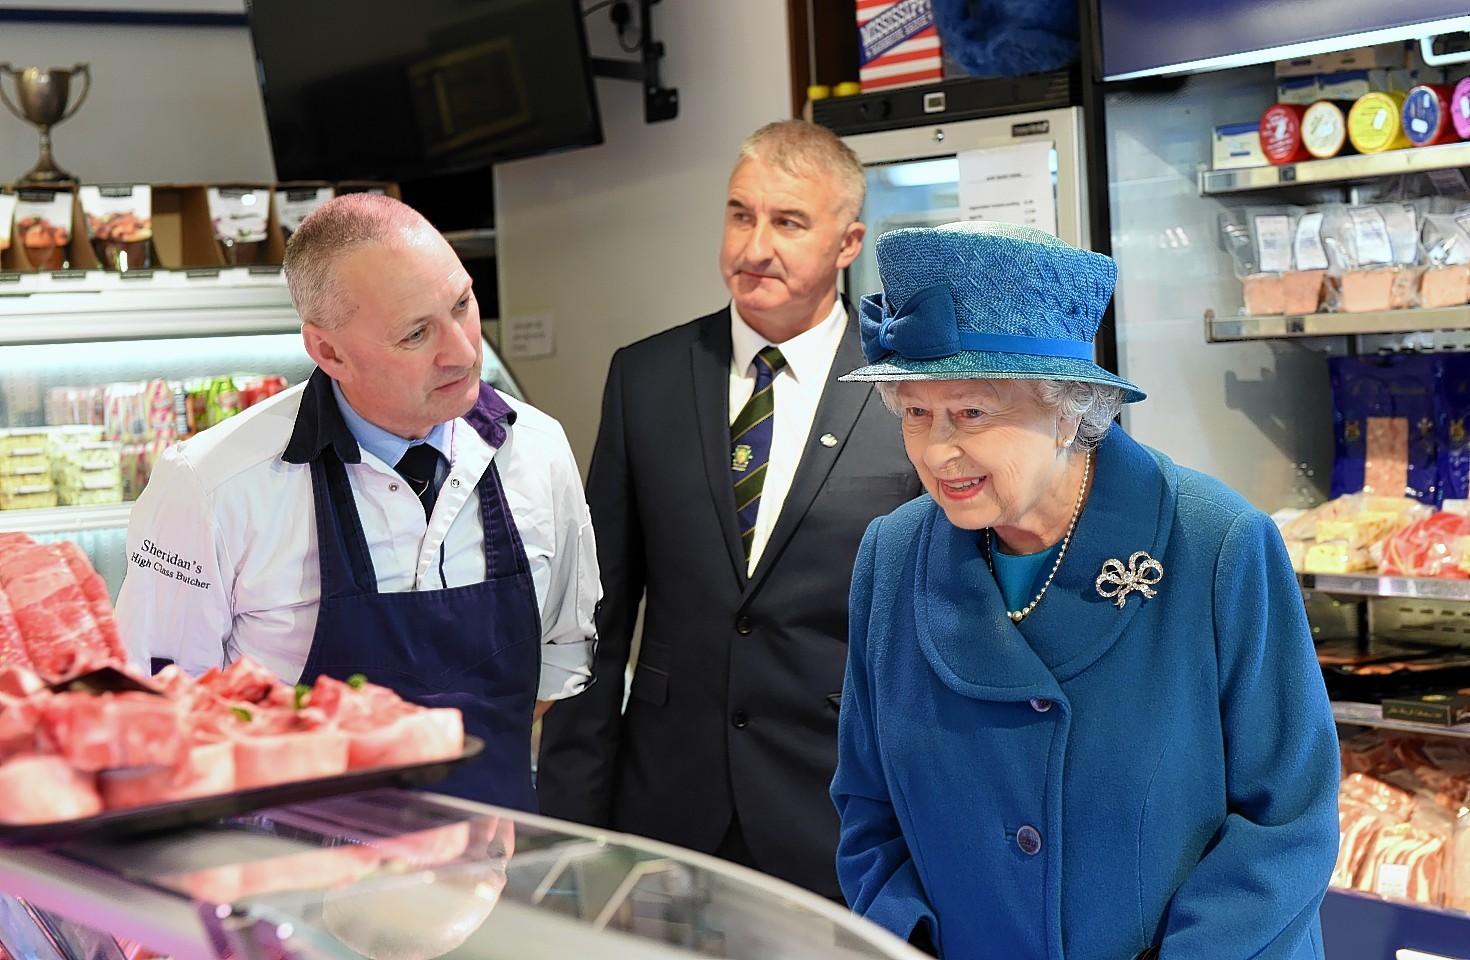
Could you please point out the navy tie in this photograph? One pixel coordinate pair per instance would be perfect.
(419, 465)
(750, 443)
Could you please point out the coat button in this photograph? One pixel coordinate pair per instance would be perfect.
(454, 483)
(1040, 705)
(744, 626)
(393, 487)
(1029, 840)
(739, 720)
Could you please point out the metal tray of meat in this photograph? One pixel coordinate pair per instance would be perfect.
(183, 813)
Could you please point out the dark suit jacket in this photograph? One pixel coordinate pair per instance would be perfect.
(733, 707)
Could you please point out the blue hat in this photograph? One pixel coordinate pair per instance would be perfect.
(980, 300)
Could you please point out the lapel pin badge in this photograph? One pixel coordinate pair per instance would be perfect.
(827, 440)
(1142, 574)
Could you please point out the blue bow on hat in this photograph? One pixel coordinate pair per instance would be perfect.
(927, 328)
(986, 300)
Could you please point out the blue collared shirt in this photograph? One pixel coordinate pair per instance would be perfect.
(389, 447)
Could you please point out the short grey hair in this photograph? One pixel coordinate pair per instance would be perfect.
(805, 149)
(1093, 405)
(332, 231)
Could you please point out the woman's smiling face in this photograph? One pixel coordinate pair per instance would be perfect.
(991, 455)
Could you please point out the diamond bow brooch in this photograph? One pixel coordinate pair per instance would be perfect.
(1142, 574)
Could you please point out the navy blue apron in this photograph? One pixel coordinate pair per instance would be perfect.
(476, 647)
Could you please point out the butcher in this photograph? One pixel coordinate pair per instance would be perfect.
(393, 516)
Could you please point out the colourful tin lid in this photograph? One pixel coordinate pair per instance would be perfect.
(1324, 129)
(1375, 122)
(1460, 108)
(1426, 115)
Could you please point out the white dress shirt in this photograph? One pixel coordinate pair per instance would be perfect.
(798, 388)
(222, 544)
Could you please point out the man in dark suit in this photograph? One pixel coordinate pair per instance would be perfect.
(729, 740)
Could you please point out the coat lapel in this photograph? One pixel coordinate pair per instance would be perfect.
(837, 414)
(963, 628)
(1131, 508)
(709, 359)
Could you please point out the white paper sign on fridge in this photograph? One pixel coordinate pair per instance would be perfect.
(1009, 184)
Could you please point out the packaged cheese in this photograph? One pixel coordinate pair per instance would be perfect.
(1375, 122)
(1336, 557)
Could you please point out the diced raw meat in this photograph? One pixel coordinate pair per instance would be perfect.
(18, 726)
(413, 738)
(20, 682)
(107, 731)
(45, 789)
(385, 729)
(272, 758)
(248, 681)
(208, 769)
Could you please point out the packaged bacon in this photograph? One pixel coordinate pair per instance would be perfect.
(1429, 547)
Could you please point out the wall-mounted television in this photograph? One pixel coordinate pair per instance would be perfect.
(1141, 38)
(407, 89)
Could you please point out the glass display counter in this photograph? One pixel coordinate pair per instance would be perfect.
(399, 875)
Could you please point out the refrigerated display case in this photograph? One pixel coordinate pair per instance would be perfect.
(1247, 398)
(81, 329)
(399, 875)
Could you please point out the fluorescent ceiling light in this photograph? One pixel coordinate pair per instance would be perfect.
(1307, 48)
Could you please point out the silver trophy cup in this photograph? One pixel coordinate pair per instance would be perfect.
(41, 98)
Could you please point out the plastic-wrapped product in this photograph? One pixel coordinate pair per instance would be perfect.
(1383, 425)
(1446, 257)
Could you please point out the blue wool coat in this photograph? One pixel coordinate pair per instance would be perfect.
(1093, 780)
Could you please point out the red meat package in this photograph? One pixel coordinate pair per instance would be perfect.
(1430, 547)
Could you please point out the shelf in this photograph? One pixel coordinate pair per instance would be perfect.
(1371, 715)
(93, 305)
(1224, 329)
(1373, 585)
(106, 516)
(1336, 169)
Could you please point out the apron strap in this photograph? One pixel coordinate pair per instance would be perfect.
(346, 565)
(504, 554)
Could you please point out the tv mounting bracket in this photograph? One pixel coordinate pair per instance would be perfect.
(659, 102)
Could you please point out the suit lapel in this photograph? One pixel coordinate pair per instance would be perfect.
(837, 414)
(710, 368)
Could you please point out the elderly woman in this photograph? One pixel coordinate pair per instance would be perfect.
(1082, 717)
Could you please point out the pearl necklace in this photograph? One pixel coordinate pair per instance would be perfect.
(1018, 615)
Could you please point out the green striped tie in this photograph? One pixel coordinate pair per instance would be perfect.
(750, 443)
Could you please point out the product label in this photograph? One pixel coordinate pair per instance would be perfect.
(900, 22)
(239, 214)
(1371, 236)
(1403, 232)
(1310, 254)
(1393, 880)
(121, 213)
(7, 218)
(294, 204)
(1273, 243)
(43, 218)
